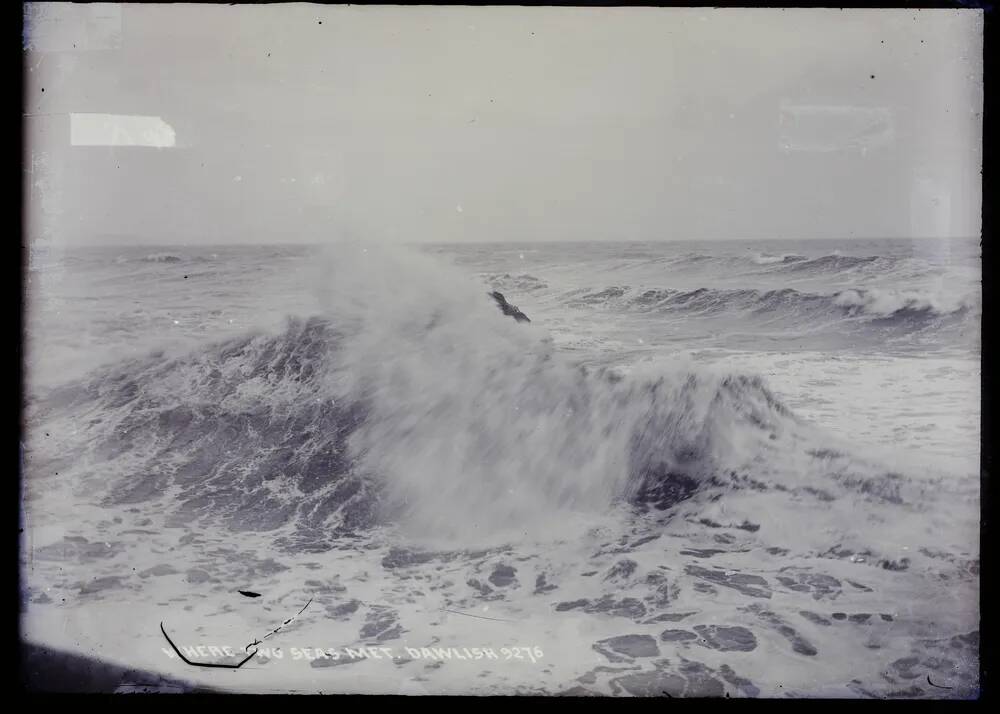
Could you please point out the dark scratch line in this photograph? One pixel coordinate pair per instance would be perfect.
(276, 629)
(204, 664)
(935, 685)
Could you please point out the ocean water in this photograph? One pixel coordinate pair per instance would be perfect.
(743, 468)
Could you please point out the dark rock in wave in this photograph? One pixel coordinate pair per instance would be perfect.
(661, 490)
(507, 309)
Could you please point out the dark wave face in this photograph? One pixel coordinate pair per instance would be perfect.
(237, 433)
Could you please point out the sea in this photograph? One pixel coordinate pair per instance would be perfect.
(713, 468)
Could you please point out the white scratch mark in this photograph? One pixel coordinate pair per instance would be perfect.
(120, 130)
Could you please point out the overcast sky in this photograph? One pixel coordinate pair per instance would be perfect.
(300, 122)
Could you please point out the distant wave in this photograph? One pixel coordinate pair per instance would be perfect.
(522, 282)
(782, 262)
(765, 259)
(837, 263)
(871, 303)
(163, 258)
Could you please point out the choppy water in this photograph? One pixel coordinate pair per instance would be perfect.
(755, 462)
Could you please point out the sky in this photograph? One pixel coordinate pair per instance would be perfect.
(304, 123)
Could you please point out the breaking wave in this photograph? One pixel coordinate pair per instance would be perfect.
(411, 400)
(785, 262)
(522, 282)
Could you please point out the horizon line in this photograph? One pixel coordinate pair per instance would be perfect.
(124, 243)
